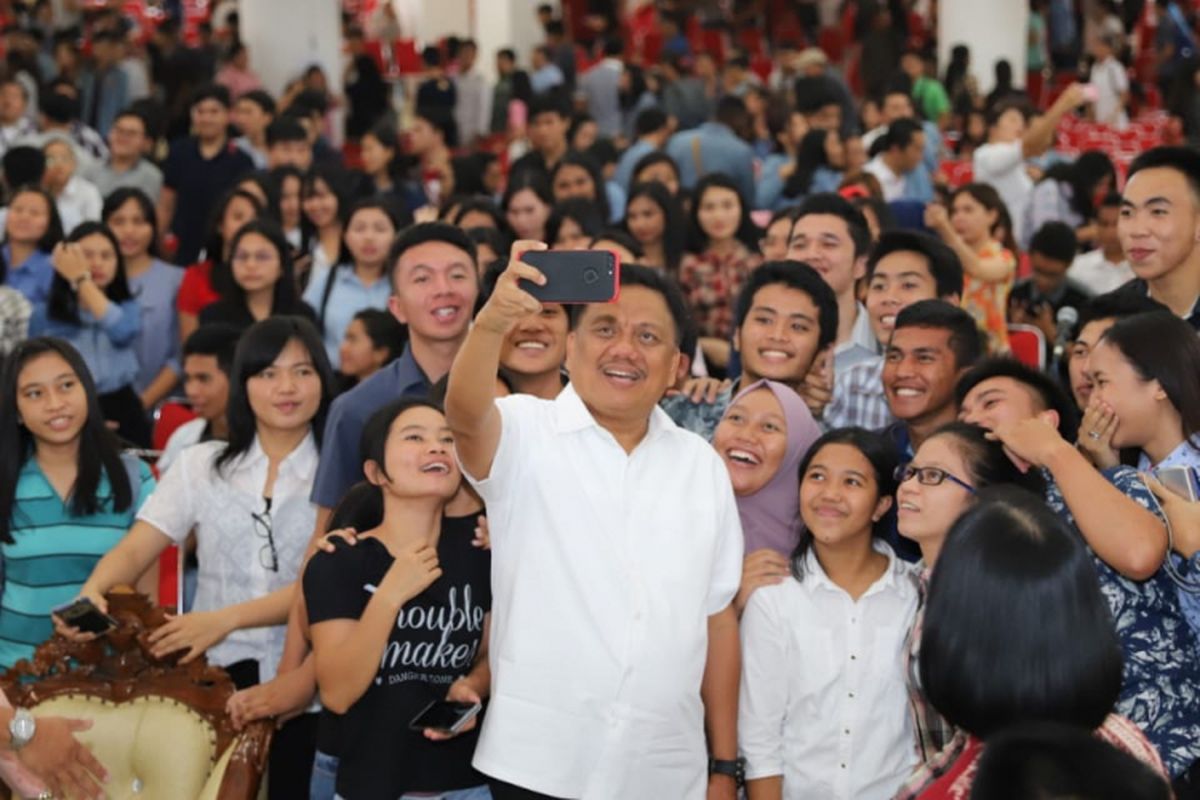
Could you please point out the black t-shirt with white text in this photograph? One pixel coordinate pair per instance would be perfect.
(435, 641)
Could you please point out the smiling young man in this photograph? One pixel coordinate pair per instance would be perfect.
(536, 347)
(1159, 228)
(1036, 421)
(905, 267)
(785, 316)
(434, 287)
(832, 237)
(617, 551)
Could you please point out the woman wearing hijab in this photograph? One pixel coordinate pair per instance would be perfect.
(762, 438)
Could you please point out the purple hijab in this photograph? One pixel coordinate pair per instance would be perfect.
(771, 516)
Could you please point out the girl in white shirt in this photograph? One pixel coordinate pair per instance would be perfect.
(248, 501)
(823, 710)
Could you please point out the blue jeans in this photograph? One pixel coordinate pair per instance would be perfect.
(323, 785)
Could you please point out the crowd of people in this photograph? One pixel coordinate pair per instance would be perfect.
(797, 514)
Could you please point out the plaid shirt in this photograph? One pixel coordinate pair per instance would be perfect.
(14, 319)
(712, 283)
(934, 733)
(700, 418)
(859, 398)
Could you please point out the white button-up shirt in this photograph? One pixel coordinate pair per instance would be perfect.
(229, 544)
(823, 701)
(605, 569)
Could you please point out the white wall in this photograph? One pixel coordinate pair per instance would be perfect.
(993, 29)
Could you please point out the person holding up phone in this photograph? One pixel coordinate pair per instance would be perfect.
(618, 552)
(67, 495)
(400, 620)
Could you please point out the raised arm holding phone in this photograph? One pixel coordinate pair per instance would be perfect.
(618, 552)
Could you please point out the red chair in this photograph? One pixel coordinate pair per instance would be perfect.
(169, 417)
(1028, 345)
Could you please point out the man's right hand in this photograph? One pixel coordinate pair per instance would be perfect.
(67, 767)
(509, 303)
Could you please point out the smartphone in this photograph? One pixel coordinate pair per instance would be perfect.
(1181, 481)
(84, 615)
(575, 276)
(444, 716)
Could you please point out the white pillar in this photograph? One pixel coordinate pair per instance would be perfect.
(285, 37)
(992, 30)
(506, 23)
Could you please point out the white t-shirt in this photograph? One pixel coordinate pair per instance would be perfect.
(893, 185)
(606, 566)
(1003, 166)
(1097, 274)
(1111, 81)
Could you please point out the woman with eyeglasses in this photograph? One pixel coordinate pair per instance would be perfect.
(823, 710)
(248, 501)
(260, 282)
(934, 490)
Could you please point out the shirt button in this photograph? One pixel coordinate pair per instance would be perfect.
(847, 731)
(851, 695)
(853, 657)
(843, 766)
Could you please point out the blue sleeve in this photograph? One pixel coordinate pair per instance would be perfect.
(745, 174)
(122, 322)
(338, 468)
(38, 323)
(770, 183)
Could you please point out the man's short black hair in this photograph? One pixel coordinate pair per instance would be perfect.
(219, 341)
(731, 112)
(943, 263)
(211, 91)
(998, 110)
(442, 121)
(106, 36)
(1055, 240)
(260, 98)
(1184, 160)
(548, 102)
(285, 129)
(900, 133)
(965, 339)
(133, 113)
(1111, 200)
(794, 275)
(838, 206)
(1049, 393)
(813, 94)
(507, 52)
(311, 102)
(1114, 305)
(614, 47)
(649, 120)
(555, 27)
(59, 108)
(637, 275)
(425, 232)
(23, 166)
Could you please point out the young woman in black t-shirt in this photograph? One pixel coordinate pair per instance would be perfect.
(401, 618)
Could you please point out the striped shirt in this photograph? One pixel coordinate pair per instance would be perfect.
(53, 553)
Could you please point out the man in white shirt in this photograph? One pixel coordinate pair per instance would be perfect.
(1105, 268)
(1111, 80)
(1012, 139)
(831, 236)
(617, 551)
(903, 148)
(473, 111)
(15, 125)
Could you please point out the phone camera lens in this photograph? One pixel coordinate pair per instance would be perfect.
(590, 276)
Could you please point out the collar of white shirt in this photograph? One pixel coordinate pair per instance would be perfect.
(820, 581)
(301, 463)
(571, 414)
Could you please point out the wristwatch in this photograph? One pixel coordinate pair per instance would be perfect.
(80, 281)
(21, 728)
(735, 769)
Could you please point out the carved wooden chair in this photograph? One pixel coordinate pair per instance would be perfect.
(160, 728)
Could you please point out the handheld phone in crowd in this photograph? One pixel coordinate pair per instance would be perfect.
(444, 716)
(575, 276)
(1179, 480)
(84, 615)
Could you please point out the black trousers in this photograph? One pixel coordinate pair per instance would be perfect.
(1187, 787)
(124, 407)
(506, 791)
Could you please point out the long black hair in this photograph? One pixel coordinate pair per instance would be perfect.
(284, 300)
(581, 211)
(747, 232)
(1082, 175)
(54, 227)
(674, 230)
(258, 348)
(214, 244)
(585, 162)
(98, 447)
(63, 303)
(882, 456)
(121, 196)
(810, 155)
(1164, 348)
(338, 184)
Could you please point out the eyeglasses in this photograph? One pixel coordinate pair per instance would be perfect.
(261, 256)
(929, 476)
(268, 556)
